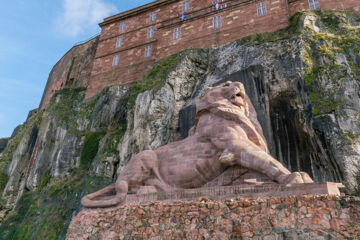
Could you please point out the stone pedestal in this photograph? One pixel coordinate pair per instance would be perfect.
(290, 217)
(251, 190)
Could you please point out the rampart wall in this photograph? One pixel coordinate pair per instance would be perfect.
(72, 70)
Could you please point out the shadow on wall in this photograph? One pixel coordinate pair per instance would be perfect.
(287, 125)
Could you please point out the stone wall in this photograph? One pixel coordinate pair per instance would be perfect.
(239, 19)
(72, 70)
(300, 5)
(303, 217)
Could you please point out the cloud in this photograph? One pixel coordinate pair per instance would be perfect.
(80, 16)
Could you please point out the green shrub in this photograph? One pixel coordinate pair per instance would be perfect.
(90, 147)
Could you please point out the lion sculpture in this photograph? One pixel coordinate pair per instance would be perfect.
(226, 133)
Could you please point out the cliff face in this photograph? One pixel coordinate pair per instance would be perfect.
(303, 82)
(3, 144)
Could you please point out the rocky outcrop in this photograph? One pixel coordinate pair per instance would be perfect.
(3, 144)
(302, 81)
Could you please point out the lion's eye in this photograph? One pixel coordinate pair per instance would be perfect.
(238, 95)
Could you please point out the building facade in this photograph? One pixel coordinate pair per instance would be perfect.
(131, 42)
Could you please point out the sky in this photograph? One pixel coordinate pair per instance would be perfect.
(34, 35)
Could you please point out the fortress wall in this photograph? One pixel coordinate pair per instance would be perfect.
(237, 21)
(300, 5)
(302, 217)
(71, 70)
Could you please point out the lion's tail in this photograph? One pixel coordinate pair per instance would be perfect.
(109, 196)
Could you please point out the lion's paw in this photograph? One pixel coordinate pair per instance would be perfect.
(227, 158)
(298, 177)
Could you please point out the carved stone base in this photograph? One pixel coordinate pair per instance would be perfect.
(253, 190)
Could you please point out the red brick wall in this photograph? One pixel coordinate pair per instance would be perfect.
(300, 5)
(237, 21)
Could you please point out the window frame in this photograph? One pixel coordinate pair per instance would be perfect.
(177, 33)
(314, 4)
(185, 6)
(261, 8)
(217, 21)
(150, 32)
(148, 49)
(152, 16)
(122, 26)
(119, 41)
(115, 61)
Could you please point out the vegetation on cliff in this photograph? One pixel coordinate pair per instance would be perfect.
(45, 214)
(332, 54)
(46, 211)
(155, 78)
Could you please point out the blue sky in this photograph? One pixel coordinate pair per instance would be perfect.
(34, 35)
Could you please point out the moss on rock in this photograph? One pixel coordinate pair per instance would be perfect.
(63, 104)
(90, 147)
(46, 214)
(155, 78)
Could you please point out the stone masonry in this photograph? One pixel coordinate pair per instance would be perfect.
(305, 217)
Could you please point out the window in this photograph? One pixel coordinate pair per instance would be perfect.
(148, 51)
(150, 32)
(185, 6)
(152, 16)
(115, 60)
(177, 33)
(217, 21)
(261, 8)
(122, 26)
(314, 4)
(119, 42)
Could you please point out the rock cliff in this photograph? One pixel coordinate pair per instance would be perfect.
(303, 82)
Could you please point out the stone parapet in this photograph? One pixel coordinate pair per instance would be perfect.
(290, 217)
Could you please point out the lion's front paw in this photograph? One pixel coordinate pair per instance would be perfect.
(298, 177)
(227, 158)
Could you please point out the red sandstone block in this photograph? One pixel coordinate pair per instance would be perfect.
(315, 220)
(204, 211)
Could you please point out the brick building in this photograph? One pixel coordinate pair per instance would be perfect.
(131, 42)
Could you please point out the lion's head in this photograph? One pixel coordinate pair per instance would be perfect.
(230, 101)
(230, 95)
